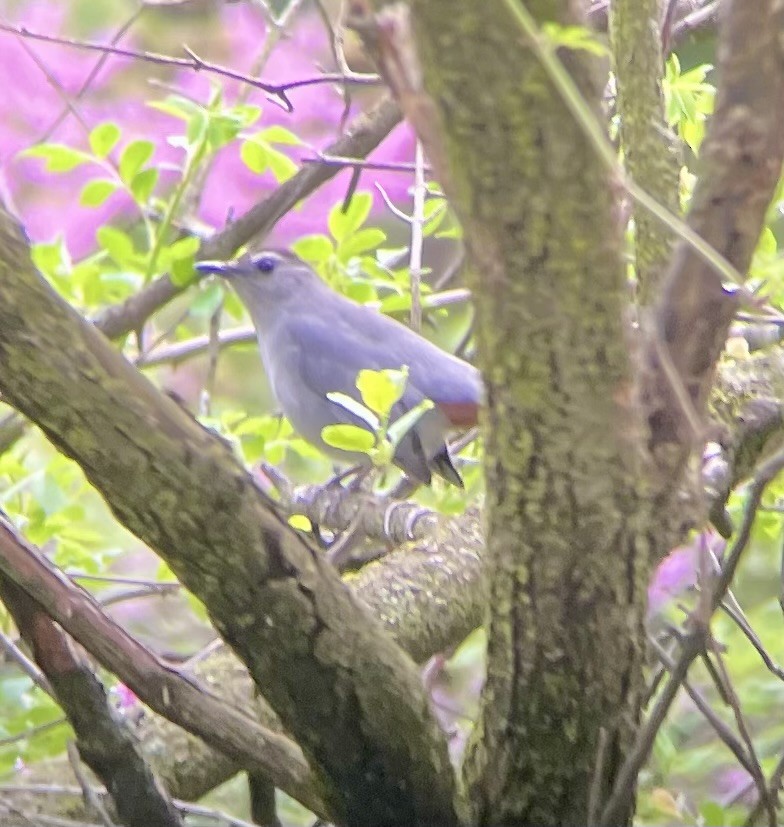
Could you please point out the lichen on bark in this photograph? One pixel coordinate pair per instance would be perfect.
(568, 552)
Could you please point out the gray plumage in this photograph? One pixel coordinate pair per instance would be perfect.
(314, 341)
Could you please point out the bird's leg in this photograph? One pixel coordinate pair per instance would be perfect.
(358, 472)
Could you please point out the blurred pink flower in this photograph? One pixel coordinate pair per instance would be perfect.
(678, 571)
(48, 202)
(125, 697)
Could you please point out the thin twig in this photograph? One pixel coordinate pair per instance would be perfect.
(56, 85)
(91, 797)
(417, 238)
(398, 213)
(692, 644)
(597, 137)
(756, 768)
(25, 664)
(736, 614)
(93, 73)
(32, 732)
(336, 45)
(774, 787)
(721, 729)
(198, 64)
(340, 161)
(185, 807)
(595, 791)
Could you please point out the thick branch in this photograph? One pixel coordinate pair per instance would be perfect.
(316, 654)
(647, 143)
(568, 552)
(740, 164)
(159, 685)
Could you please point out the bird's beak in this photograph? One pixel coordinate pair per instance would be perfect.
(222, 268)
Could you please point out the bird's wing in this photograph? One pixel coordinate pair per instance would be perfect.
(325, 359)
(328, 358)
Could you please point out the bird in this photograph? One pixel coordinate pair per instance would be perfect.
(314, 341)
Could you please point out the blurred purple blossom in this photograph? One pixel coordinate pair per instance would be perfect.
(125, 696)
(48, 203)
(734, 785)
(678, 571)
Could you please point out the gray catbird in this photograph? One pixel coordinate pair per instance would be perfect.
(314, 341)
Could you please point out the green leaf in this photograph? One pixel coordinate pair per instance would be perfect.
(343, 224)
(357, 408)
(279, 135)
(95, 192)
(574, 37)
(361, 242)
(178, 258)
(348, 438)
(184, 248)
(435, 213)
(143, 184)
(281, 166)
(254, 155)
(713, 813)
(400, 427)
(313, 248)
(117, 243)
(58, 157)
(221, 130)
(300, 522)
(452, 232)
(246, 113)
(181, 272)
(196, 130)
(381, 389)
(51, 257)
(361, 292)
(233, 306)
(176, 106)
(133, 158)
(103, 138)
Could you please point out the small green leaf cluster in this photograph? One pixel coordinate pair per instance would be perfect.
(127, 258)
(380, 391)
(354, 260)
(688, 100)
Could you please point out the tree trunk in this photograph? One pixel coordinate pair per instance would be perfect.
(568, 554)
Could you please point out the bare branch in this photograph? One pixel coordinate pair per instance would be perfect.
(162, 688)
(193, 61)
(279, 604)
(104, 742)
(741, 159)
(692, 645)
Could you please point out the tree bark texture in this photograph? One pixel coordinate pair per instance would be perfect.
(649, 148)
(568, 554)
(350, 696)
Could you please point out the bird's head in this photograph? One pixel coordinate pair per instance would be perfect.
(265, 279)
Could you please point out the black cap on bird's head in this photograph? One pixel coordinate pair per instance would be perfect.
(265, 279)
(266, 262)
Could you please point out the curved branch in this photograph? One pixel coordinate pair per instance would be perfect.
(315, 653)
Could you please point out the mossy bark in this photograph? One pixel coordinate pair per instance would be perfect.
(351, 697)
(649, 147)
(568, 554)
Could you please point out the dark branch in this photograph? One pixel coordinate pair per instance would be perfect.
(103, 739)
(741, 159)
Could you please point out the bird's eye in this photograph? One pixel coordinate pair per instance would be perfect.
(266, 264)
